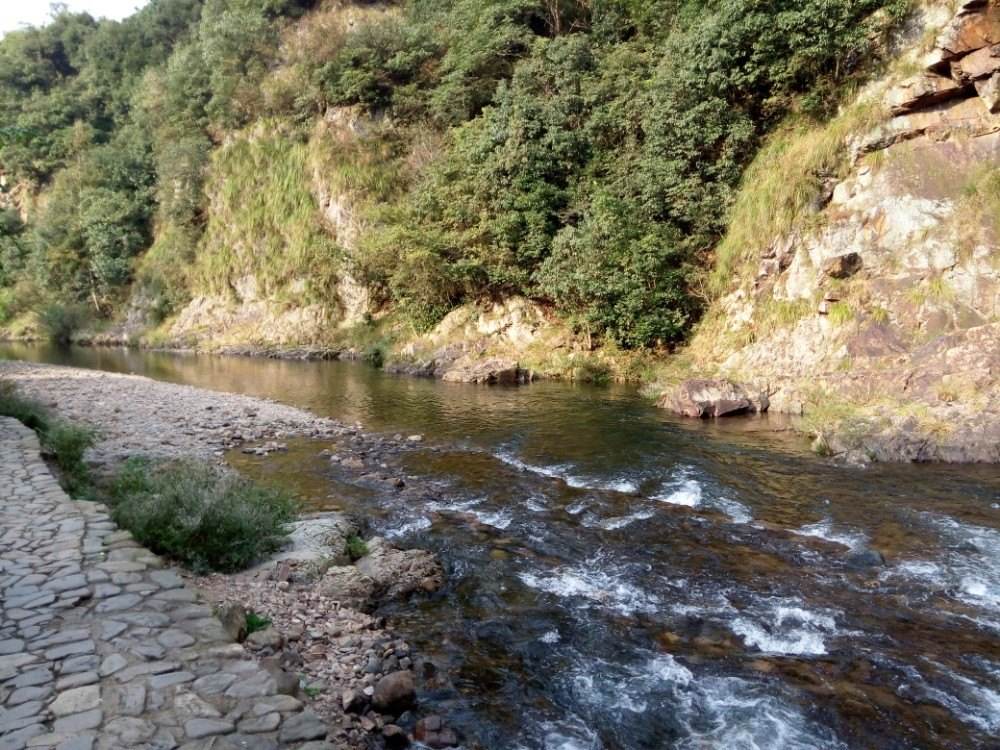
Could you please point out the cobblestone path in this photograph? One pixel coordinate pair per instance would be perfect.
(103, 646)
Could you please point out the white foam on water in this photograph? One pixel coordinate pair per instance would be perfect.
(825, 530)
(409, 527)
(551, 636)
(595, 583)
(786, 628)
(500, 519)
(721, 713)
(535, 503)
(577, 508)
(968, 569)
(619, 522)
(973, 703)
(564, 473)
(688, 493)
(729, 713)
(737, 511)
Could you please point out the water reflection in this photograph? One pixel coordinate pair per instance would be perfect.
(620, 579)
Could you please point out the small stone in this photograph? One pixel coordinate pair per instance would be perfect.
(304, 726)
(76, 700)
(198, 728)
(175, 639)
(161, 681)
(23, 695)
(395, 692)
(213, 684)
(265, 723)
(394, 737)
(269, 638)
(353, 702)
(76, 680)
(233, 617)
(79, 722)
(112, 664)
(69, 649)
(282, 703)
(118, 603)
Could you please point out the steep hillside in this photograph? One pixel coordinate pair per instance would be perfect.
(870, 300)
(784, 194)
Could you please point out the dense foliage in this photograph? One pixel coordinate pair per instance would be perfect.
(583, 152)
(200, 515)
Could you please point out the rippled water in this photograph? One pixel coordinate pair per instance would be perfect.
(621, 579)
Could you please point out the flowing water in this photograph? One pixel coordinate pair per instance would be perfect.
(621, 579)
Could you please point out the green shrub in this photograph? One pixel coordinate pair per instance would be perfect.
(202, 516)
(356, 547)
(64, 443)
(256, 622)
(60, 322)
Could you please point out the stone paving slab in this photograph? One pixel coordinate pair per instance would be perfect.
(103, 646)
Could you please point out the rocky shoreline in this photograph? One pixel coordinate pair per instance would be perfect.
(322, 639)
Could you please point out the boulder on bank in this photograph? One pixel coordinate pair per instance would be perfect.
(398, 573)
(486, 372)
(703, 398)
(319, 537)
(384, 573)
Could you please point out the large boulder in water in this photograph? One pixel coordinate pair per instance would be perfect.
(712, 398)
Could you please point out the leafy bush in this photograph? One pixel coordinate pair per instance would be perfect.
(64, 443)
(202, 516)
(60, 322)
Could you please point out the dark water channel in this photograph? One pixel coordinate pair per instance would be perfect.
(620, 579)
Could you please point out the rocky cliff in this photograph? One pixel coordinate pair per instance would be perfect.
(876, 314)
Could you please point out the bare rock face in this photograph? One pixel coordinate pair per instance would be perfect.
(348, 586)
(486, 372)
(712, 398)
(399, 573)
(233, 617)
(384, 573)
(842, 266)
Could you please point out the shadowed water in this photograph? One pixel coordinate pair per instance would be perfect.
(622, 579)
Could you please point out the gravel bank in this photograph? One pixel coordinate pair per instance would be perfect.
(135, 415)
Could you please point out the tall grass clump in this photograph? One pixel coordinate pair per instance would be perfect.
(65, 444)
(781, 185)
(264, 221)
(202, 516)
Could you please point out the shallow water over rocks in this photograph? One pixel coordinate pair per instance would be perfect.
(621, 579)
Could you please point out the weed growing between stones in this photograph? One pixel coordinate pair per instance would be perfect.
(63, 443)
(255, 622)
(199, 515)
(356, 547)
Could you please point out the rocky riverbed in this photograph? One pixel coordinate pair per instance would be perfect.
(323, 637)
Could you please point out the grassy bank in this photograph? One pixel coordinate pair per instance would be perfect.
(62, 443)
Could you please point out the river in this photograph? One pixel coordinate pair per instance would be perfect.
(622, 579)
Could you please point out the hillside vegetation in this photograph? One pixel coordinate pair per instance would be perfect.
(583, 153)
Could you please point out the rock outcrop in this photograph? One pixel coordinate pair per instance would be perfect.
(384, 573)
(713, 398)
(878, 315)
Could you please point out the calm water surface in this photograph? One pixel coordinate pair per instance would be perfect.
(621, 579)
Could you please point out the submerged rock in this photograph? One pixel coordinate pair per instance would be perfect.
(712, 398)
